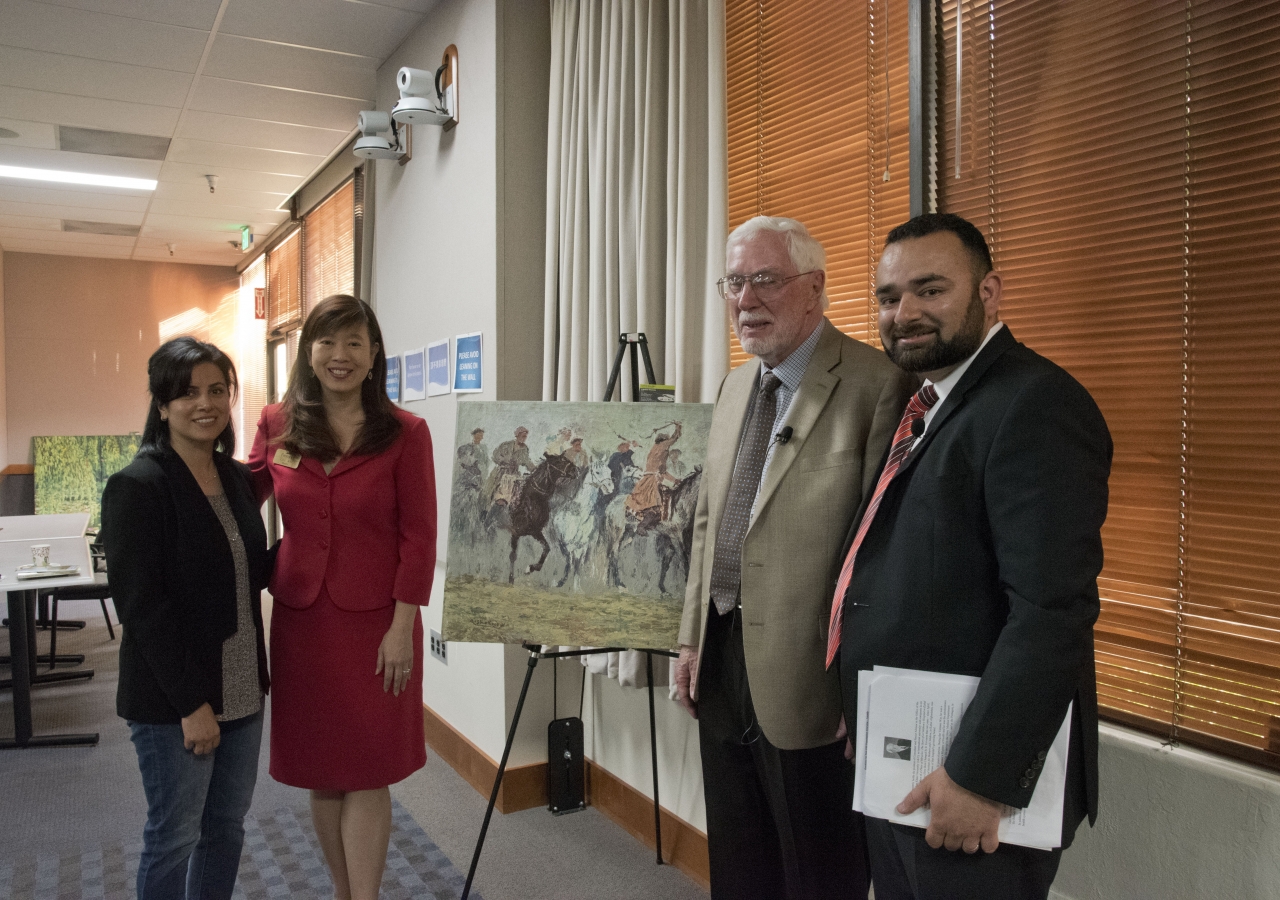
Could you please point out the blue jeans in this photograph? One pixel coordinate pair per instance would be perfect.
(195, 809)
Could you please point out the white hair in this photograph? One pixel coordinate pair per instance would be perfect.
(806, 253)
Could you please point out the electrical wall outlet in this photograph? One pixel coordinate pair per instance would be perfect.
(439, 649)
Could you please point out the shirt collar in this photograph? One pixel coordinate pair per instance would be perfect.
(946, 385)
(791, 370)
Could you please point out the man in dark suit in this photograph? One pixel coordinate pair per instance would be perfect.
(980, 556)
(795, 440)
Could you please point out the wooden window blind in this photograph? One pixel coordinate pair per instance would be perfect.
(284, 284)
(329, 247)
(1122, 158)
(817, 117)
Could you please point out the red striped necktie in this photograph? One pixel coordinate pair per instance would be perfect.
(903, 439)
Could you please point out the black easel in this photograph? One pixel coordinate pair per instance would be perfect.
(536, 652)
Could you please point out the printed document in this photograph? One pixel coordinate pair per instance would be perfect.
(907, 721)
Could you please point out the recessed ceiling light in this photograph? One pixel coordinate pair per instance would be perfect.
(117, 181)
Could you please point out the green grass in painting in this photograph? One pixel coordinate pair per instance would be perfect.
(479, 610)
(72, 471)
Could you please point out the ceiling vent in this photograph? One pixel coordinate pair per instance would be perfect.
(112, 228)
(112, 143)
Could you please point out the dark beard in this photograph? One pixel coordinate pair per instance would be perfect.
(942, 354)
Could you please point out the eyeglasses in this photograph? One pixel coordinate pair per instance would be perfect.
(766, 285)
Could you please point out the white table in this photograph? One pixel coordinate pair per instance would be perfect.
(22, 614)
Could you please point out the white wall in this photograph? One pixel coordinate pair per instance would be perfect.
(1175, 824)
(4, 406)
(457, 249)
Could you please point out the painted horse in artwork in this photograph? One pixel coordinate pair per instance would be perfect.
(529, 512)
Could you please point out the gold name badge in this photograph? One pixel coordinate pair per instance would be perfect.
(284, 458)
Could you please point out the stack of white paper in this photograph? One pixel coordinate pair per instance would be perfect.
(907, 720)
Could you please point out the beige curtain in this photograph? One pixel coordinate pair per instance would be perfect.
(636, 200)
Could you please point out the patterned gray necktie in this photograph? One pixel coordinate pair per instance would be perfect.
(726, 567)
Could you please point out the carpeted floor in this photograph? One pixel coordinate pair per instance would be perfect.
(71, 819)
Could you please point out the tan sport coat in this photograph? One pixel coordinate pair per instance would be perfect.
(842, 419)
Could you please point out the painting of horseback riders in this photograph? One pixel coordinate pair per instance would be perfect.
(571, 523)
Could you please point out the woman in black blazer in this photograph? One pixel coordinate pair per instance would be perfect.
(187, 560)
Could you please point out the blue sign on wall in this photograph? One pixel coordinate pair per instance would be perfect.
(438, 368)
(393, 377)
(415, 375)
(468, 363)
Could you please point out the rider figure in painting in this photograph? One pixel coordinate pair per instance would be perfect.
(646, 500)
(508, 459)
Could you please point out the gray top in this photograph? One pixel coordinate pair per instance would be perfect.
(241, 693)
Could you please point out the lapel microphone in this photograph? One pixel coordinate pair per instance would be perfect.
(784, 435)
(917, 428)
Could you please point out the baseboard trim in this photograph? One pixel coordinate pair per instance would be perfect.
(683, 846)
(525, 787)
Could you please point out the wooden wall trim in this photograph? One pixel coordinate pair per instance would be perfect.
(683, 846)
(525, 787)
(18, 469)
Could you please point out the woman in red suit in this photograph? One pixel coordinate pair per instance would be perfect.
(354, 479)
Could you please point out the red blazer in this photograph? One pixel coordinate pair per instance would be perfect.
(367, 530)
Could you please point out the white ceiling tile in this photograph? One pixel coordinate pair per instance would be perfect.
(94, 251)
(229, 226)
(60, 74)
(77, 213)
(204, 153)
(211, 210)
(197, 194)
(276, 104)
(188, 13)
(39, 26)
(302, 68)
(84, 198)
(87, 112)
(230, 179)
(360, 28)
(218, 128)
(63, 237)
(79, 162)
(30, 134)
(30, 223)
(416, 6)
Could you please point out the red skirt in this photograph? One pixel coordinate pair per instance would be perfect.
(333, 728)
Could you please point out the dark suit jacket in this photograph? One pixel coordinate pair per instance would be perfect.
(983, 560)
(366, 530)
(174, 583)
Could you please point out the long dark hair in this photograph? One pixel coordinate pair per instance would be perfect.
(307, 430)
(168, 378)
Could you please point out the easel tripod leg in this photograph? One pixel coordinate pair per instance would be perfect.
(497, 781)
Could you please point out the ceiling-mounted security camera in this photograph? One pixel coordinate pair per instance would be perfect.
(213, 182)
(370, 145)
(423, 101)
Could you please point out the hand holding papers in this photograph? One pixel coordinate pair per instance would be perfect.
(907, 720)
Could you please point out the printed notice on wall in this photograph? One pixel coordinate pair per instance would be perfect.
(438, 368)
(468, 363)
(415, 375)
(393, 378)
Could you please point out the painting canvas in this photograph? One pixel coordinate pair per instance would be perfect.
(72, 471)
(570, 523)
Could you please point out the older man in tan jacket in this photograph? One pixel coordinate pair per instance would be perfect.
(796, 441)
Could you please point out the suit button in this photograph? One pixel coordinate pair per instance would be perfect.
(1030, 773)
(1026, 782)
(324, 513)
(1037, 764)
(1043, 754)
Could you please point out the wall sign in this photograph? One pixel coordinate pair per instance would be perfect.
(468, 364)
(438, 368)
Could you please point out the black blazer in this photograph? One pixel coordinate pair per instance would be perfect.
(983, 559)
(173, 582)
